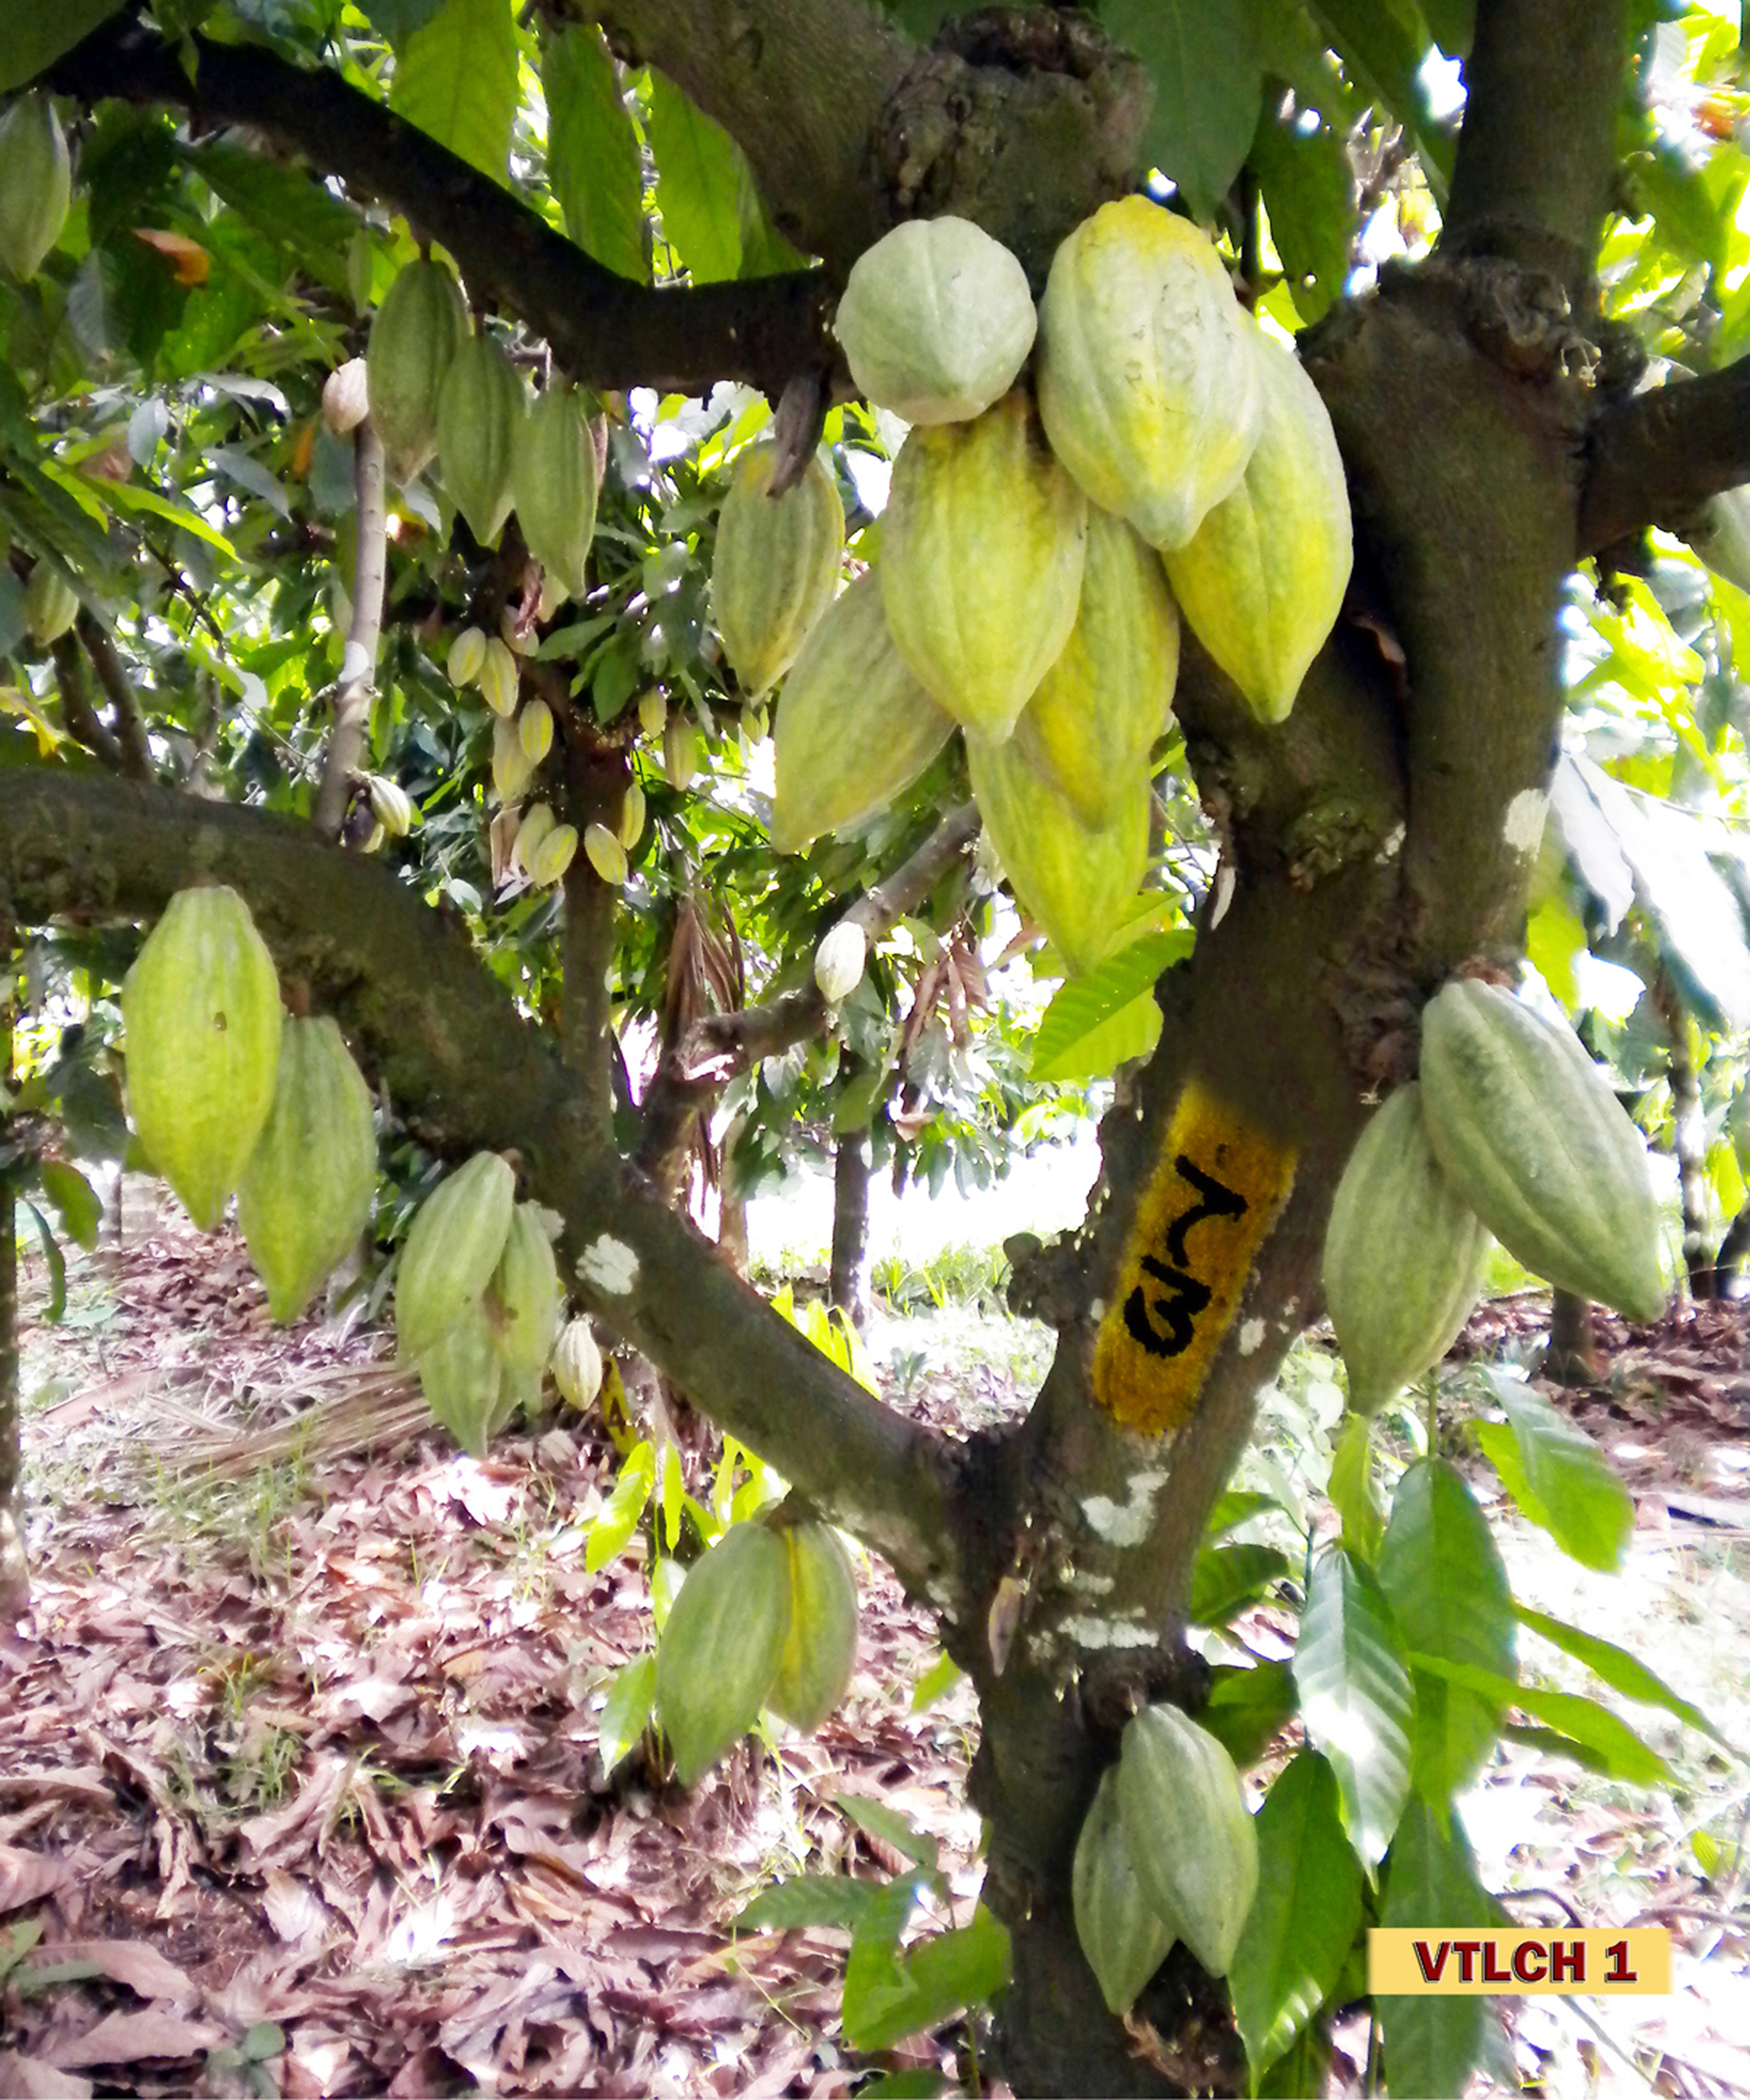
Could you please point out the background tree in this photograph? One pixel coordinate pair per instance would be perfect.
(675, 210)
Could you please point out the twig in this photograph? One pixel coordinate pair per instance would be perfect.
(357, 684)
(80, 718)
(130, 731)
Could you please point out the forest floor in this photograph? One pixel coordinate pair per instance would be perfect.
(300, 1784)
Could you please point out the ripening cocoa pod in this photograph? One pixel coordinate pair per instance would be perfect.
(1097, 713)
(1193, 1844)
(819, 1654)
(554, 481)
(202, 1009)
(839, 961)
(1149, 383)
(680, 752)
(480, 405)
(512, 767)
(854, 727)
(606, 855)
(452, 1247)
(653, 713)
(776, 565)
(524, 1298)
(36, 184)
(1262, 580)
(391, 805)
(631, 829)
(546, 864)
(305, 1194)
(1534, 1140)
(1123, 1938)
(981, 554)
(467, 657)
(52, 605)
(416, 333)
(577, 1363)
(537, 822)
(463, 1378)
(720, 1648)
(498, 678)
(1404, 1256)
(1074, 878)
(534, 731)
(936, 320)
(345, 397)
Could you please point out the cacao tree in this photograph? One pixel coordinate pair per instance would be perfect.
(383, 384)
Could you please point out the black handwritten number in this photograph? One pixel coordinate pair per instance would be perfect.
(1163, 1324)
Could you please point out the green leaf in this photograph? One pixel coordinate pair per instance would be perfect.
(627, 1714)
(1618, 1670)
(1227, 1578)
(80, 1209)
(1356, 1698)
(1096, 1021)
(940, 1678)
(1304, 1916)
(698, 184)
(1558, 1476)
(592, 161)
(891, 1827)
(1209, 86)
(1352, 1491)
(1450, 23)
(1584, 1720)
(887, 1997)
(1303, 2070)
(298, 216)
(33, 35)
(1238, 1505)
(1248, 1705)
(457, 81)
(619, 1513)
(1443, 1577)
(1308, 189)
(1382, 44)
(57, 1262)
(833, 1900)
(1432, 2044)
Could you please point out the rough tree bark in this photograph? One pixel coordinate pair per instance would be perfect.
(848, 1280)
(15, 1573)
(1689, 1141)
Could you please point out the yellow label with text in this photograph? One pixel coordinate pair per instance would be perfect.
(1607, 1962)
(1215, 1194)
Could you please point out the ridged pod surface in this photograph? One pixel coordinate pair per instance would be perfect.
(36, 184)
(982, 550)
(776, 565)
(52, 605)
(1074, 878)
(820, 1649)
(936, 320)
(577, 1363)
(418, 329)
(463, 1378)
(1123, 1936)
(1404, 1256)
(480, 406)
(1148, 385)
(1099, 709)
(305, 1194)
(201, 1007)
(553, 479)
(854, 727)
(1192, 1843)
(1262, 580)
(1535, 1141)
(721, 1646)
(452, 1247)
(523, 1298)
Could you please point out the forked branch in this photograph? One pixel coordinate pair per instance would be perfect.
(1657, 458)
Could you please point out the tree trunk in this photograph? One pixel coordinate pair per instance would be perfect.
(1734, 1249)
(1571, 1357)
(1689, 1141)
(15, 1575)
(848, 1284)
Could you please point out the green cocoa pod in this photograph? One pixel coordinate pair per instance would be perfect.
(776, 566)
(1404, 1256)
(553, 479)
(452, 1247)
(201, 1007)
(1149, 383)
(679, 752)
(52, 605)
(1192, 1843)
(722, 1645)
(36, 184)
(480, 405)
(1537, 1145)
(1124, 1938)
(463, 1378)
(305, 1195)
(417, 330)
(1074, 878)
(1095, 717)
(936, 320)
(524, 1298)
(820, 1648)
(1262, 579)
(576, 1364)
(854, 727)
(981, 552)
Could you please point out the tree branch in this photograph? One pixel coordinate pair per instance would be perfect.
(467, 1072)
(692, 1074)
(133, 750)
(603, 329)
(356, 685)
(81, 720)
(1657, 457)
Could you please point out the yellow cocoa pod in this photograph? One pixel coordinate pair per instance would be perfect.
(1099, 709)
(653, 713)
(1262, 580)
(981, 552)
(512, 769)
(547, 863)
(305, 1195)
(467, 657)
(819, 1652)
(1148, 385)
(537, 822)
(680, 752)
(36, 183)
(776, 565)
(840, 961)
(632, 817)
(854, 727)
(1074, 878)
(345, 397)
(480, 406)
(418, 330)
(498, 678)
(201, 1007)
(605, 854)
(534, 731)
(391, 805)
(576, 1364)
(553, 479)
